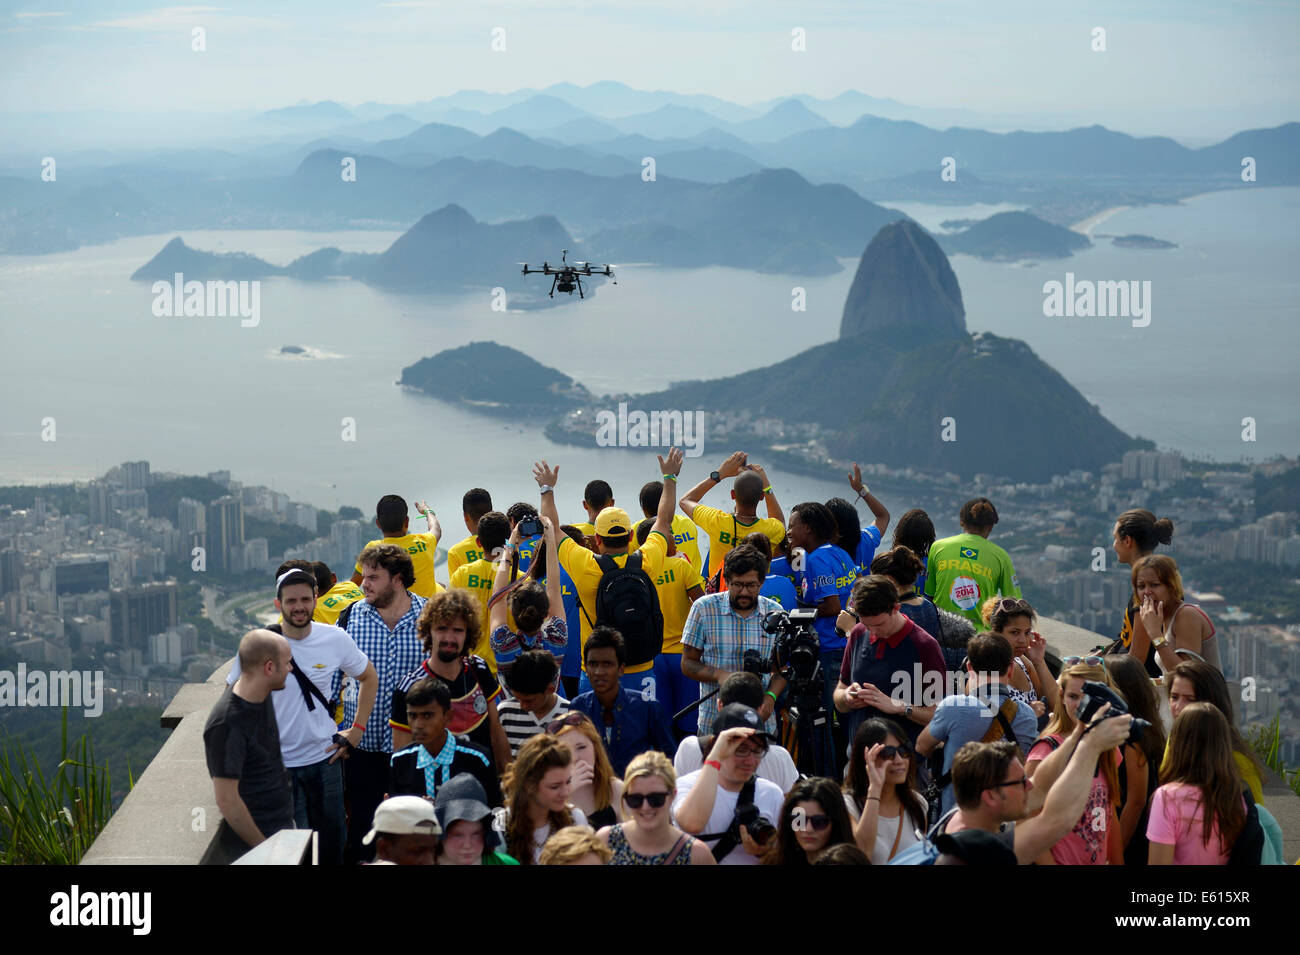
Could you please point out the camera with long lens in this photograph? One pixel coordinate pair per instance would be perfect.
(759, 827)
(1095, 696)
(796, 647)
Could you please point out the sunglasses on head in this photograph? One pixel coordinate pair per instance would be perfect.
(573, 719)
(637, 800)
(1013, 605)
(1088, 661)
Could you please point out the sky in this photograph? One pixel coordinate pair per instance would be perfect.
(1170, 66)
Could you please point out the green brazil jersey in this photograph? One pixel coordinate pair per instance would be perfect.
(966, 570)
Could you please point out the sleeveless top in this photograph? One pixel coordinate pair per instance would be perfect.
(602, 818)
(624, 854)
(1023, 696)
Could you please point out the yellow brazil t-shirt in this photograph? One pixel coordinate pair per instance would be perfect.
(477, 577)
(423, 548)
(332, 602)
(581, 566)
(685, 536)
(672, 583)
(725, 530)
(466, 552)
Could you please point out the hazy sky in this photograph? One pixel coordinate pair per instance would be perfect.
(1165, 59)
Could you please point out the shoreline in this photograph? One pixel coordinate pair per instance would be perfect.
(1085, 226)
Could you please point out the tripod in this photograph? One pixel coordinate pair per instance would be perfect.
(807, 730)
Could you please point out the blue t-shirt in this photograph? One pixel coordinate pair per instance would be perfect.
(866, 552)
(827, 570)
(527, 549)
(781, 568)
(781, 589)
(572, 663)
(959, 720)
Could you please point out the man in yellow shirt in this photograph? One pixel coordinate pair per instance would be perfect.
(597, 496)
(391, 519)
(685, 533)
(474, 504)
(334, 595)
(477, 575)
(727, 529)
(679, 585)
(613, 533)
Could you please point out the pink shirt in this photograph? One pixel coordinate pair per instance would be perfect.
(1086, 843)
(1176, 820)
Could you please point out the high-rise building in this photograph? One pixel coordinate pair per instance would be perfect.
(225, 530)
(11, 571)
(347, 540)
(139, 612)
(304, 515)
(80, 574)
(191, 516)
(135, 475)
(99, 506)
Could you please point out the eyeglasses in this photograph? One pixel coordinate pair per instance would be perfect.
(745, 752)
(554, 727)
(902, 749)
(1089, 661)
(742, 585)
(637, 800)
(1022, 781)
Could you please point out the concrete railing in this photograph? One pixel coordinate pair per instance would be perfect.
(171, 816)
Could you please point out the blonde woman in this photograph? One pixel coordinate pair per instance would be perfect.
(1097, 838)
(647, 835)
(593, 786)
(575, 845)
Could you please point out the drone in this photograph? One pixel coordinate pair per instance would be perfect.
(568, 275)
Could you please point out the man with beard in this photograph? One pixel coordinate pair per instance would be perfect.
(384, 628)
(722, 626)
(448, 629)
(304, 715)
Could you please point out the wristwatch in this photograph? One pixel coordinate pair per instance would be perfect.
(717, 478)
(907, 710)
(546, 489)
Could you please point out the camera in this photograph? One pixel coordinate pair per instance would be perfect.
(796, 646)
(530, 527)
(1095, 696)
(760, 828)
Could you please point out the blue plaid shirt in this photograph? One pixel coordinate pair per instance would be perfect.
(722, 636)
(437, 769)
(394, 653)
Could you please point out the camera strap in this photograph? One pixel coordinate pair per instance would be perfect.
(727, 841)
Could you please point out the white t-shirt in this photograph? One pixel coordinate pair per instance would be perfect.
(767, 797)
(777, 766)
(887, 831)
(305, 736)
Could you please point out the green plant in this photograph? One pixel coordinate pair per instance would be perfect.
(1266, 741)
(52, 822)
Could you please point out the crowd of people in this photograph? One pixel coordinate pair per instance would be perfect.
(703, 686)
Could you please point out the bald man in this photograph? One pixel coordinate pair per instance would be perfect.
(242, 742)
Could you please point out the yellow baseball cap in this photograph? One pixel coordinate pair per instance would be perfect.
(613, 522)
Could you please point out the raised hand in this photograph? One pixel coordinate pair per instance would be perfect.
(544, 474)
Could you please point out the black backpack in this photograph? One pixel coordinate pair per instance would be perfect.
(1249, 846)
(626, 600)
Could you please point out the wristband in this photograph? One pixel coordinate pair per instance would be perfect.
(771, 694)
(359, 726)
(768, 489)
(714, 763)
(547, 488)
(670, 477)
(876, 798)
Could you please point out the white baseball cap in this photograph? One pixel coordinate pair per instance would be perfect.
(404, 816)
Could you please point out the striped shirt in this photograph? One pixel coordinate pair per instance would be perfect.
(723, 636)
(394, 653)
(521, 725)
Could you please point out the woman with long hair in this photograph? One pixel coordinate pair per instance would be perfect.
(536, 787)
(1164, 621)
(1198, 811)
(1031, 681)
(1138, 533)
(859, 542)
(1140, 776)
(915, 531)
(1095, 839)
(647, 835)
(593, 786)
(965, 570)
(952, 631)
(880, 791)
(537, 611)
(1194, 681)
(813, 819)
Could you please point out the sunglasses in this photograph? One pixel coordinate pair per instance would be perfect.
(637, 800)
(1088, 661)
(1012, 605)
(573, 719)
(902, 749)
(818, 823)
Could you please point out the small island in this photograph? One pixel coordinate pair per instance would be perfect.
(495, 379)
(1141, 242)
(292, 350)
